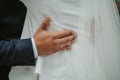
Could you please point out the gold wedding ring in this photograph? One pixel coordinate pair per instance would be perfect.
(62, 46)
(68, 44)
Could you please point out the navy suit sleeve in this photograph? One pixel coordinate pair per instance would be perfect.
(16, 52)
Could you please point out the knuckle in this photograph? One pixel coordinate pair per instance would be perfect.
(43, 23)
(55, 42)
(66, 40)
(53, 36)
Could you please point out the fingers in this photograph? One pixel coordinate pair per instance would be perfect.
(62, 34)
(66, 48)
(45, 23)
(59, 48)
(66, 40)
(73, 41)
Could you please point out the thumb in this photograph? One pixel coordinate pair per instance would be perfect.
(45, 23)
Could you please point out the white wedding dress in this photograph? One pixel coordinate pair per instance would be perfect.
(96, 53)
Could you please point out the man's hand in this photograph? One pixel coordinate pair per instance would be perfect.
(49, 42)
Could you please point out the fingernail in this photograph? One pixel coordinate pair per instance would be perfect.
(72, 32)
(45, 19)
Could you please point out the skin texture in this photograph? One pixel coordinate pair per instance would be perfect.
(49, 42)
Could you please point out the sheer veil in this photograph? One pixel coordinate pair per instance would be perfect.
(107, 37)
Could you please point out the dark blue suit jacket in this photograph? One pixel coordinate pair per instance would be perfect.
(12, 50)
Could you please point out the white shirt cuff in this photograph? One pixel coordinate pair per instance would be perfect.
(39, 63)
(34, 48)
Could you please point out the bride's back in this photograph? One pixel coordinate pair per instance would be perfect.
(81, 62)
(78, 15)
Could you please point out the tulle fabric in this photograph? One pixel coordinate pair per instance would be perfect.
(96, 53)
(107, 38)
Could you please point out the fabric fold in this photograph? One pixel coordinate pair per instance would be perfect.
(39, 66)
